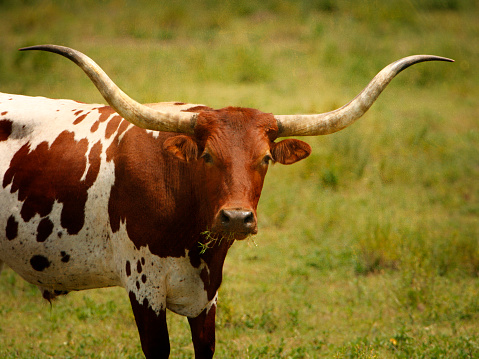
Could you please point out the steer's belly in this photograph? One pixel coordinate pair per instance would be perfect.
(43, 252)
(63, 267)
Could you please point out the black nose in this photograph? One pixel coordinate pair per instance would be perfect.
(237, 220)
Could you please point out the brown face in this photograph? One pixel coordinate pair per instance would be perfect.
(234, 147)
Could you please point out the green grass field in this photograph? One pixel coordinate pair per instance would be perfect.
(367, 249)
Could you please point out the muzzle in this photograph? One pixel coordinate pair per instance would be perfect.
(236, 220)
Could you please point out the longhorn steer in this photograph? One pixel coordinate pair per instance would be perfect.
(95, 196)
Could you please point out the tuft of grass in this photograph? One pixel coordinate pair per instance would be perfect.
(211, 239)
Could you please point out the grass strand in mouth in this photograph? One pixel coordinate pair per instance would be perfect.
(211, 239)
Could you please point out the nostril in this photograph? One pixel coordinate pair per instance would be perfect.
(224, 217)
(249, 218)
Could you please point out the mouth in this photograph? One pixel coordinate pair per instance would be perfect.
(229, 235)
(211, 239)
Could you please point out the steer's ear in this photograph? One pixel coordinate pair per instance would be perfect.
(290, 151)
(182, 147)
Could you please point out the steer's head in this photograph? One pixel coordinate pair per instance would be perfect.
(235, 145)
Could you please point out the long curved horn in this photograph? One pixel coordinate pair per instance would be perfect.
(330, 122)
(134, 112)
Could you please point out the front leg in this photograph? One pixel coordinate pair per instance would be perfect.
(203, 333)
(152, 328)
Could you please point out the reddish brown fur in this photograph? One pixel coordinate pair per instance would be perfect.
(237, 140)
(112, 126)
(5, 129)
(12, 228)
(50, 173)
(80, 118)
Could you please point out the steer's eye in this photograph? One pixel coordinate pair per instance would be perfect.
(267, 159)
(207, 157)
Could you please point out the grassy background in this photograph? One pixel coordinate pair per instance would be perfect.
(367, 249)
